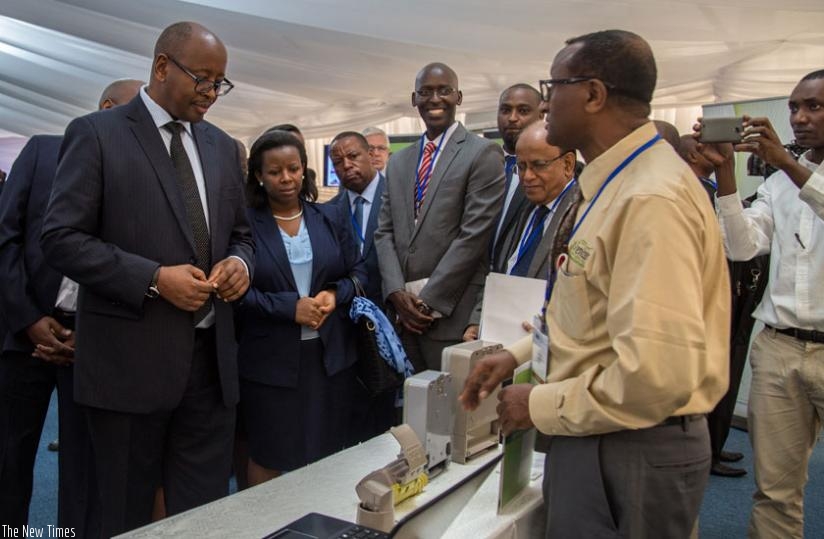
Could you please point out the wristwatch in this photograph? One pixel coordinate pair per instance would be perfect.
(152, 292)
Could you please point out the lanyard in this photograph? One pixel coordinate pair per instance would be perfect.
(531, 233)
(709, 182)
(629, 159)
(420, 188)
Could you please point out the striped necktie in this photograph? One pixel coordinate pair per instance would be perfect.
(424, 173)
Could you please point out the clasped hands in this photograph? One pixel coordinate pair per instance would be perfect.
(313, 311)
(188, 288)
(52, 341)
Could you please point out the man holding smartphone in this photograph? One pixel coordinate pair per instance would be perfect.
(786, 405)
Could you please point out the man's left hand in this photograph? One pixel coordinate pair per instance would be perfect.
(229, 278)
(513, 408)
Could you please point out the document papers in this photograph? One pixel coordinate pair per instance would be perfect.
(508, 302)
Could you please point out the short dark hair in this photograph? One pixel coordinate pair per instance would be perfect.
(291, 128)
(351, 134)
(255, 193)
(171, 40)
(819, 74)
(522, 86)
(621, 59)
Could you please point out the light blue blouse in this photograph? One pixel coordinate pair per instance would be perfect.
(299, 251)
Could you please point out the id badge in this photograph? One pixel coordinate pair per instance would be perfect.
(540, 351)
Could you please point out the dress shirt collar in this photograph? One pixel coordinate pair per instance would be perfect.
(445, 135)
(159, 115)
(368, 193)
(596, 172)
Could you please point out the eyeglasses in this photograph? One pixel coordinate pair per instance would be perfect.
(377, 149)
(537, 166)
(443, 91)
(547, 84)
(204, 86)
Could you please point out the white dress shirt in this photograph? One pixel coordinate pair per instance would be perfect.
(789, 224)
(368, 196)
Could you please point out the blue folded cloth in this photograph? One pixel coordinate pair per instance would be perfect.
(389, 345)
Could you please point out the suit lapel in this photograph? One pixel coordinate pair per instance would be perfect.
(269, 234)
(543, 252)
(372, 223)
(208, 163)
(450, 150)
(313, 220)
(152, 144)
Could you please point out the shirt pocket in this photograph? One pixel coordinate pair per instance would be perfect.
(572, 309)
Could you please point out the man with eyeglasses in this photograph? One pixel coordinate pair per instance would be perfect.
(379, 151)
(38, 305)
(637, 317)
(147, 215)
(442, 196)
(546, 175)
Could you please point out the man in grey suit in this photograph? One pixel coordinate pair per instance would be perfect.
(147, 215)
(439, 208)
(547, 179)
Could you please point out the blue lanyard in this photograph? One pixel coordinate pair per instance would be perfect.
(709, 182)
(630, 158)
(356, 226)
(531, 233)
(419, 190)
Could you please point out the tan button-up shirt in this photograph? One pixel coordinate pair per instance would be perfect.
(639, 319)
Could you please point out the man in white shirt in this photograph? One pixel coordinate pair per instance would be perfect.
(786, 403)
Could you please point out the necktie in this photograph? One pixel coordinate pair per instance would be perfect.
(194, 208)
(509, 168)
(535, 233)
(424, 173)
(358, 220)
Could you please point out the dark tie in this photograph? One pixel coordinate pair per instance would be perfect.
(194, 208)
(509, 168)
(536, 232)
(359, 231)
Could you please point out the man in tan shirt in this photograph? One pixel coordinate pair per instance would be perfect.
(638, 321)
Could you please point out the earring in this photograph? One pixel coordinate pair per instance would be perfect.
(260, 184)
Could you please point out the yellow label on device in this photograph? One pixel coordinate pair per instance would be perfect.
(402, 492)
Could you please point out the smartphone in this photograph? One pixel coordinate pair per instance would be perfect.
(722, 130)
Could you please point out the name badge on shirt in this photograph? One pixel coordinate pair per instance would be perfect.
(540, 350)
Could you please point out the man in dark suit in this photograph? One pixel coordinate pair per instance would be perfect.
(360, 199)
(518, 107)
(438, 214)
(147, 215)
(546, 175)
(38, 305)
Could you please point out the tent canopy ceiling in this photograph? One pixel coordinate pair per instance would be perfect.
(328, 65)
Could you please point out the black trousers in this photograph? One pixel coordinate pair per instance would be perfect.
(26, 385)
(645, 483)
(187, 451)
(720, 419)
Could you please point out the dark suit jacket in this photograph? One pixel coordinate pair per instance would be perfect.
(540, 264)
(450, 244)
(269, 336)
(117, 213)
(370, 254)
(517, 206)
(30, 285)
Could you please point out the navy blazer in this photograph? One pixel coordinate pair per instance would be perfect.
(116, 213)
(269, 337)
(30, 285)
(370, 254)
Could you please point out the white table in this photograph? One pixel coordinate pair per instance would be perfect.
(328, 487)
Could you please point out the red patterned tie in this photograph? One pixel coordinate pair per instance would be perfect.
(424, 173)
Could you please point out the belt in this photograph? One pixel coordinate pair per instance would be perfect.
(682, 420)
(801, 334)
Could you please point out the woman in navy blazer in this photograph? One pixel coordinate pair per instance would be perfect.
(296, 342)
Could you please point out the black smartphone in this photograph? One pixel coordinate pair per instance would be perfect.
(722, 130)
